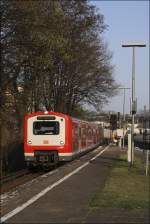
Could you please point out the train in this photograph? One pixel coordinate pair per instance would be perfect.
(52, 137)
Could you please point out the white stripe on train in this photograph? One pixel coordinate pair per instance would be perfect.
(61, 154)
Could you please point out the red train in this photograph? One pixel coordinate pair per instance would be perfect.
(50, 137)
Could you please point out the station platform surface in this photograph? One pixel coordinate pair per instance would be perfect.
(63, 195)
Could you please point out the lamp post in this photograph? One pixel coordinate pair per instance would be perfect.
(133, 101)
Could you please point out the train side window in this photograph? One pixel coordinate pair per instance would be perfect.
(79, 132)
(89, 133)
(83, 131)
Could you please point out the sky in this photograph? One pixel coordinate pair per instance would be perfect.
(128, 21)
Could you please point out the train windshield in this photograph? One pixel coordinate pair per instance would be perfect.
(46, 128)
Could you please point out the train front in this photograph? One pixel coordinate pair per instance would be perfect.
(46, 139)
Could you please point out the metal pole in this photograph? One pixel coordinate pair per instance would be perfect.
(123, 115)
(133, 109)
(133, 105)
(147, 161)
(145, 138)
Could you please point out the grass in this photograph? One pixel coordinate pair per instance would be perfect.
(125, 188)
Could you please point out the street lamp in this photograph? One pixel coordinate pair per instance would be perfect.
(133, 102)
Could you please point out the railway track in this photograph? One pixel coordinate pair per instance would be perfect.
(16, 179)
(12, 176)
(13, 180)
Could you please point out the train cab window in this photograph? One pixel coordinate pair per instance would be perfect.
(46, 128)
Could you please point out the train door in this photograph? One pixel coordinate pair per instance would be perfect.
(94, 136)
(75, 141)
(89, 136)
(79, 138)
(83, 137)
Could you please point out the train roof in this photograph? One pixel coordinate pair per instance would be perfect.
(46, 113)
(60, 114)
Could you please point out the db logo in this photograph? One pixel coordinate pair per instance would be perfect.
(45, 142)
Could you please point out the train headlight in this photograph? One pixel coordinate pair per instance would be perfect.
(61, 142)
(29, 142)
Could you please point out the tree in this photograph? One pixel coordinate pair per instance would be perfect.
(53, 57)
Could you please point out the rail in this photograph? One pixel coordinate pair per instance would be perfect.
(13, 176)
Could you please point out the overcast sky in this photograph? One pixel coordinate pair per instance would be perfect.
(128, 21)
